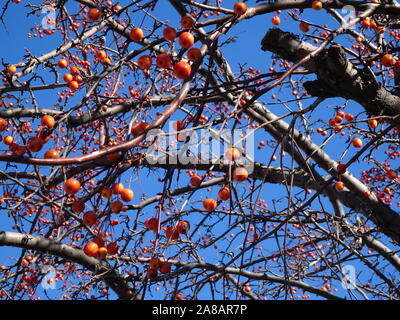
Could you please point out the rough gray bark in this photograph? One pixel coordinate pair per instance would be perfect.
(336, 75)
(385, 218)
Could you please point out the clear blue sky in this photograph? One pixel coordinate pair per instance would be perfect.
(244, 50)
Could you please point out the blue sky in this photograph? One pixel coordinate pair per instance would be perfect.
(245, 49)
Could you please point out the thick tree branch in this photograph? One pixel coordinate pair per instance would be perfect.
(337, 76)
(387, 219)
(275, 175)
(390, 9)
(184, 267)
(112, 110)
(47, 246)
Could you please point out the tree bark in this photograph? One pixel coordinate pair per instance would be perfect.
(47, 246)
(336, 75)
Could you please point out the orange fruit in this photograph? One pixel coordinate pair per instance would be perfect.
(183, 227)
(126, 195)
(3, 124)
(194, 54)
(78, 78)
(89, 218)
(144, 62)
(73, 85)
(163, 61)
(388, 60)
(117, 188)
(52, 154)
(169, 34)
(349, 117)
(116, 206)
(136, 34)
(240, 174)
(209, 204)
(11, 69)
(366, 22)
(224, 193)
(182, 70)
(372, 123)
(74, 70)
(68, 77)
(91, 249)
(304, 26)
(34, 144)
(357, 142)
(117, 7)
(233, 154)
(48, 121)
(112, 248)
(62, 63)
(94, 14)
(8, 140)
(187, 22)
(101, 54)
(186, 40)
(102, 252)
(72, 186)
(195, 180)
(341, 113)
(276, 21)
(339, 185)
(316, 5)
(154, 263)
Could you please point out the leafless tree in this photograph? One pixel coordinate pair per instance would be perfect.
(308, 222)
